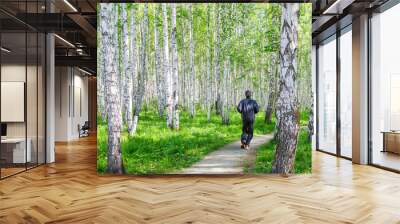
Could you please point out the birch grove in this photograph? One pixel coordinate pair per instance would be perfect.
(184, 61)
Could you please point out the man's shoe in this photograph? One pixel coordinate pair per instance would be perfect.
(242, 146)
(247, 147)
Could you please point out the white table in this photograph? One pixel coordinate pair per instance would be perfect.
(19, 154)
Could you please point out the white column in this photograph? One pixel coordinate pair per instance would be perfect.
(314, 87)
(50, 94)
(360, 90)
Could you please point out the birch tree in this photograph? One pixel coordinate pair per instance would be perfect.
(143, 71)
(192, 71)
(175, 78)
(287, 106)
(133, 61)
(101, 77)
(311, 118)
(209, 83)
(127, 68)
(159, 77)
(124, 57)
(225, 93)
(216, 60)
(166, 68)
(110, 44)
(269, 107)
(273, 45)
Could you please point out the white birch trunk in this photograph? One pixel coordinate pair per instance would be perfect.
(287, 105)
(216, 61)
(126, 68)
(167, 76)
(192, 70)
(101, 77)
(175, 87)
(133, 58)
(269, 107)
(143, 71)
(208, 81)
(109, 24)
(159, 77)
(225, 94)
(124, 58)
(311, 115)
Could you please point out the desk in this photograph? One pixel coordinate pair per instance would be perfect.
(391, 141)
(13, 150)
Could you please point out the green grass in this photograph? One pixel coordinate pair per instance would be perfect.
(266, 155)
(156, 149)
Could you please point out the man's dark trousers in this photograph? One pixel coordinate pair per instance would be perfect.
(247, 131)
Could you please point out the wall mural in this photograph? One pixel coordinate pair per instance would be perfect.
(204, 88)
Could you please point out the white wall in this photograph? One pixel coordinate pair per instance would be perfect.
(17, 73)
(70, 83)
(62, 82)
(13, 73)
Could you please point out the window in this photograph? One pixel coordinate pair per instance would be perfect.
(346, 92)
(385, 89)
(327, 95)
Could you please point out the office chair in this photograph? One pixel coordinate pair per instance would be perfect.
(84, 130)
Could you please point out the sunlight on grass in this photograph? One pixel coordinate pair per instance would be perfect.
(266, 155)
(156, 150)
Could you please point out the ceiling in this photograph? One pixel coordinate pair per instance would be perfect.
(74, 22)
(332, 15)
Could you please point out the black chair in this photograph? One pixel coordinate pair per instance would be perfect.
(84, 130)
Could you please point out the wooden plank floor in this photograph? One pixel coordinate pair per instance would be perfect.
(70, 191)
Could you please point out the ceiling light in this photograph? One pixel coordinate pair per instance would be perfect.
(5, 50)
(84, 71)
(65, 41)
(70, 5)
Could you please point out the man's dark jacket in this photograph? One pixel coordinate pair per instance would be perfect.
(248, 108)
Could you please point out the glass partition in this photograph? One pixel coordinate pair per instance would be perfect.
(41, 96)
(31, 99)
(13, 94)
(22, 101)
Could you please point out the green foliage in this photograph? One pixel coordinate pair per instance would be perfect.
(273, 31)
(250, 39)
(156, 149)
(304, 115)
(266, 155)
